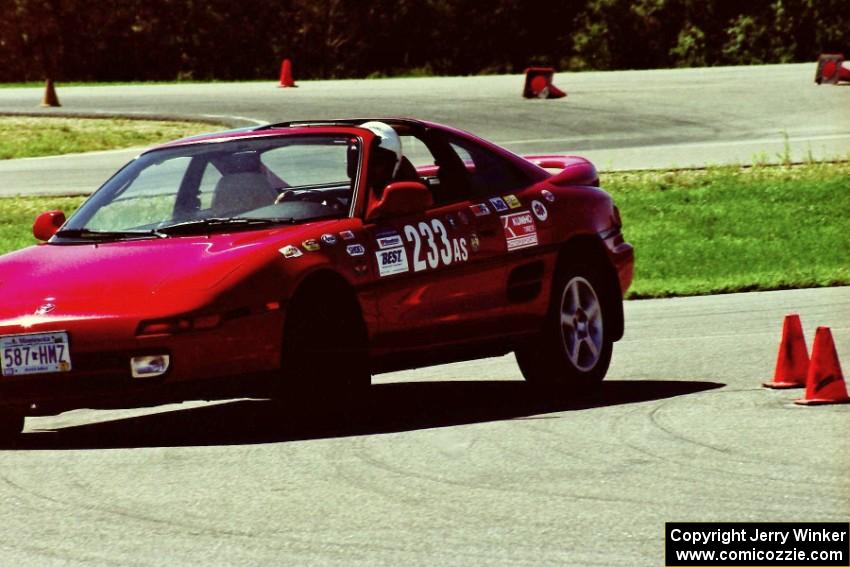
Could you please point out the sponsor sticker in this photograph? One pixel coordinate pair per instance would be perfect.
(474, 242)
(548, 196)
(520, 230)
(355, 250)
(290, 251)
(498, 204)
(539, 210)
(512, 201)
(392, 261)
(347, 235)
(480, 210)
(385, 242)
(329, 239)
(310, 245)
(387, 239)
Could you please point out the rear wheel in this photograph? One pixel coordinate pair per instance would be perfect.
(574, 347)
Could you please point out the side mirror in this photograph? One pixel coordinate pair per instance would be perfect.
(46, 224)
(401, 198)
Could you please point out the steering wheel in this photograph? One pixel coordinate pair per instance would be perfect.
(311, 195)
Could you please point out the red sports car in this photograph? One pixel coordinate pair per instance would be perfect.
(304, 257)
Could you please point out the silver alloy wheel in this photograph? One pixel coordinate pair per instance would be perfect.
(581, 324)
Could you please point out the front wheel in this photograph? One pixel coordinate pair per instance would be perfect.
(11, 425)
(574, 347)
(325, 357)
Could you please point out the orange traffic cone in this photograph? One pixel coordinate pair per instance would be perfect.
(50, 98)
(538, 84)
(792, 362)
(829, 68)
(555, 92)
(824, 382)
(286, 79)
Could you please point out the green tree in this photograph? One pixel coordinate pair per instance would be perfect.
(31, 37)
(222, 39)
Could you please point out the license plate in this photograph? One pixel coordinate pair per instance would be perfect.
(36, 353)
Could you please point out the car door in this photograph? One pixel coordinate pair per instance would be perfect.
(525, 253)
(438, 277)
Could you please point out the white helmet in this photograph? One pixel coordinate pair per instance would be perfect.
(388, 139)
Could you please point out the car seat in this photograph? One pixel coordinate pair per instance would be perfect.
(239, 192)
(406, 171)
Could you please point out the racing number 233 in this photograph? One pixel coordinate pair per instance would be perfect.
(440, 247)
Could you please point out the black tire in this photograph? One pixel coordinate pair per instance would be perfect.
(574, 346)
(324, 355)
(11, 425)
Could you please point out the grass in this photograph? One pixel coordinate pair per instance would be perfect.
(26, 136)
(731, 229)
(695, 232)
(18, 213)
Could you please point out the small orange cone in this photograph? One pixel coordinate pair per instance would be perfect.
(538, 84)
(50, 98)
(829, 68)
(792, 362)
(555, 92)
(286, 79)
(824, 382)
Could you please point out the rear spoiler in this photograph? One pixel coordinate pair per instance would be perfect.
(574, 170)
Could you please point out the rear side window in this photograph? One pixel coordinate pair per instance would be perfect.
(416, 151)
(489, 174)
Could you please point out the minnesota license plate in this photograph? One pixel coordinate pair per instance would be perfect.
(36, 353)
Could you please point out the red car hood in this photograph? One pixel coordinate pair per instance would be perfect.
(129, 277)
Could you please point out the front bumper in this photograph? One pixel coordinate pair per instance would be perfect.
(201, 363)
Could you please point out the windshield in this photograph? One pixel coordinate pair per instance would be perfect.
(239, 183)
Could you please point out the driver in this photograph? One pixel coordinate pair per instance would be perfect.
(386, 155)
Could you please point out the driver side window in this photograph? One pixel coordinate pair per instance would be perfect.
(437, 167)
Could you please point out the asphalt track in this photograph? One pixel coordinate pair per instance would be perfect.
(462, 464)
(454, 465)
(621, 120)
